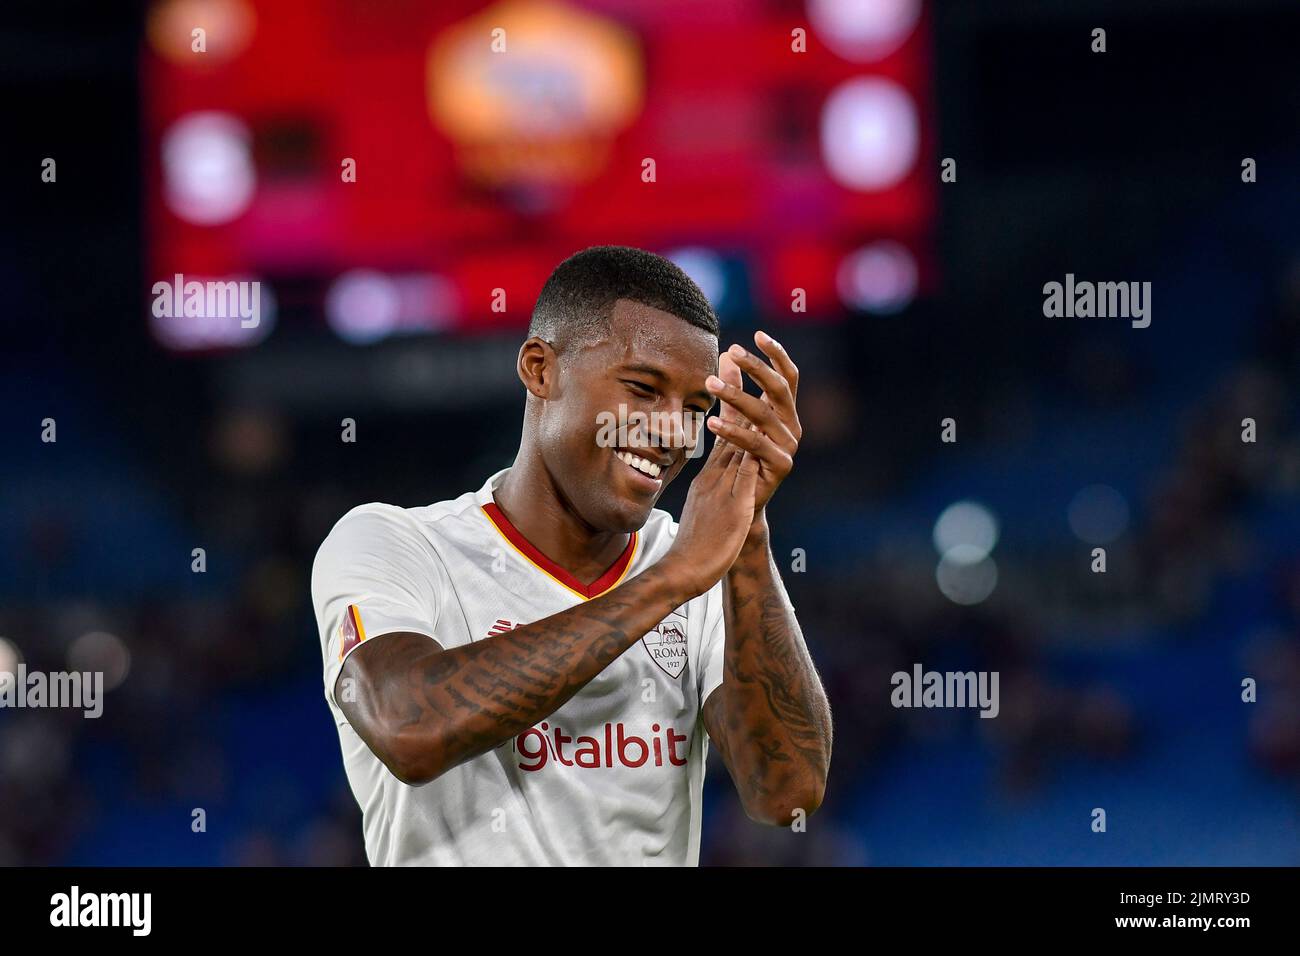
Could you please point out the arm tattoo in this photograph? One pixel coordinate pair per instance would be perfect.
(423, 710)
(772, 719)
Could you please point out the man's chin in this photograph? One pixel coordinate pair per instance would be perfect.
(624, 517)
(626, 506)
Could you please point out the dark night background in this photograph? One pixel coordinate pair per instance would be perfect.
(1119, 690)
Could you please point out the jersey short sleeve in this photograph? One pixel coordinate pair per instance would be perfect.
(714, 645)
(374, 574)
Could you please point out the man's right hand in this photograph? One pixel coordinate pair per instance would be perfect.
(719, 510)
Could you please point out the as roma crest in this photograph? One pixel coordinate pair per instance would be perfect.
(666, 645)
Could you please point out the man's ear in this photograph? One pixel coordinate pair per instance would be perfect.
(537, 367)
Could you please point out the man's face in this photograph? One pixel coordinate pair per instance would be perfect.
(654, 365)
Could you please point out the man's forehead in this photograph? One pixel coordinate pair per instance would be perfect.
(643, 334)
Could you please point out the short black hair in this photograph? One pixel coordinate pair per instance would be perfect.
(578, 298)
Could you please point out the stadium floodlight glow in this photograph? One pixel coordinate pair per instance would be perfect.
(863, 30)
(228, 27)
(880, 277)
(9, 657)
(1098, 514)
(870, 134)
(363, 306)
(102, 652)
(965, 532)
(704, 266)
(207, 167)
(966, 582)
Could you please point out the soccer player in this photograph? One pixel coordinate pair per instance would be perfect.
(525, 675)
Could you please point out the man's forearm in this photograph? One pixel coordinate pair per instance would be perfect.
(424, 710)
(775, 716)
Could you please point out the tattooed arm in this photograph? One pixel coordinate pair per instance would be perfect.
(770, 717)
(423, 710)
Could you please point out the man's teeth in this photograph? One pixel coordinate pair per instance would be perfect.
(640, 464)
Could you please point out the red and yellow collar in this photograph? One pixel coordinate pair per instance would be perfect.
(612, 576)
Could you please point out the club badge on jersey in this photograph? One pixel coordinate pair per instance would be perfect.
(666, 645)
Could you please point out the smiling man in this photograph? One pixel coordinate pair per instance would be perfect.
(526, 674)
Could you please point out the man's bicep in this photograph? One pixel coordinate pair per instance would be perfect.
(380, 692)
(383, 677)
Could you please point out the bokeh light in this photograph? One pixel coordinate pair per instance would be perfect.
(965, 532)
(1098, 514)
(870, 134)
(207, 165)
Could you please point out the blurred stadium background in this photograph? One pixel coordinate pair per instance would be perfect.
(775, 170)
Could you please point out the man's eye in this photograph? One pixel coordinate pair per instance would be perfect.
(639, 387)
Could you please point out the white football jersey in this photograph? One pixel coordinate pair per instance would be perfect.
(614, 777)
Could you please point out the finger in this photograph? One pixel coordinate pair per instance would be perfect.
(722, 449)
(776, 392)
(755, 443)
(775, 388)
(722, 446)
(781, 359)
(746, 481)
(759, 412)
(729, 372)
(733, 462)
